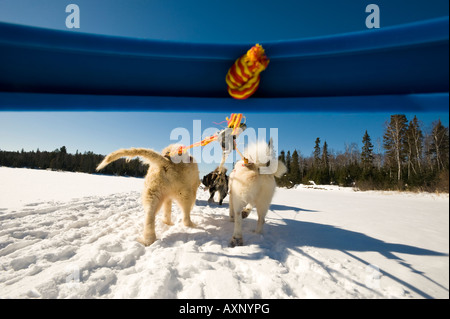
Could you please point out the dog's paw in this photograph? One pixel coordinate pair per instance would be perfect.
(190, 224)
(236, 242)
(146, 242)
(245, 213)
(257, 231)
(167, 222)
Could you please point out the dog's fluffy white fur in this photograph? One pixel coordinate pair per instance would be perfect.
(253, 185)
(166, 180)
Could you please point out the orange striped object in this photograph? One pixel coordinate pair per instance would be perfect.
(244, 75)
(206, 141)
(234, 122)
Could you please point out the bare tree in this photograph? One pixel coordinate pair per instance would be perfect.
(439, 146)
(415, 142)
(394, 141)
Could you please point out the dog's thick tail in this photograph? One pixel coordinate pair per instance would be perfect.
(281, 169)
(148, 154)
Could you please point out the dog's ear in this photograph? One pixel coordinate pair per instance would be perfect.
(250, 166)
(271, 144)
(271, 148)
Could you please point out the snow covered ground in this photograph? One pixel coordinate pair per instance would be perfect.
(73, 235)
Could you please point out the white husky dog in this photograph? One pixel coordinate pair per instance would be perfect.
(253, 185)
(167, 179)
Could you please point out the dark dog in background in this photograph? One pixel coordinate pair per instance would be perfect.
(216, 181)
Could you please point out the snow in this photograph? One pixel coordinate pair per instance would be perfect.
(73, 235)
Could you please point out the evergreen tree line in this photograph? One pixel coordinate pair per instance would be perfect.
(59, 159)
(406, 159)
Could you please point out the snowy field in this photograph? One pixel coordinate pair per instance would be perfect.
(73, 235)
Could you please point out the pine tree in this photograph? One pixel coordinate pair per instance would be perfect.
(288, 162)
(367, 152)
(325, 156)
(324, 175)
(394, 139)
(282, 157)
(295, 168)
(317, 153)
(284, 180)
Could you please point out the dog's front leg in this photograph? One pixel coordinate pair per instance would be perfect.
(236, 240)
(230, 208)
(262, 212)
(222, 195)
(260, 224)
(212, 191)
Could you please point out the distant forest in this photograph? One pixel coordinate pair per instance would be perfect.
(407, 158)
(59, 159)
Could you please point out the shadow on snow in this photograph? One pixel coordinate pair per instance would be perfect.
(291, 234)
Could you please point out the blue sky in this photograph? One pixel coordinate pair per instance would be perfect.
(212, 21)
(104, 132)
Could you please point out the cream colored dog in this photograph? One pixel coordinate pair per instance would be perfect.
(253, 185)
(167, 179)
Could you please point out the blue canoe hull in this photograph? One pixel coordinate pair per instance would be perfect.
(404, 67)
